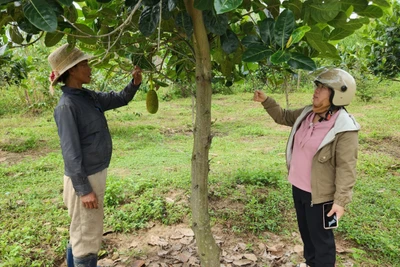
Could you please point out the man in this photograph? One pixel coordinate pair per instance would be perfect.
(86, 148)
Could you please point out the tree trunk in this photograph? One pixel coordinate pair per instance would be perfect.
(286, 88)
(208, 250)
(298, 80)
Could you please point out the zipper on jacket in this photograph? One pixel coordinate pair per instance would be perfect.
(312, 204)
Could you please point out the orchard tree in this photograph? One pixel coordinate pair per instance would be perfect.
(375, 49)
(192, 41)
(384, 49)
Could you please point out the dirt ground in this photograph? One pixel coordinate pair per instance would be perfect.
(175, 246)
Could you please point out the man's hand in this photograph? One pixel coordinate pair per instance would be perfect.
(137, 75)
(259, 96)
(89, 201)
(339, 210)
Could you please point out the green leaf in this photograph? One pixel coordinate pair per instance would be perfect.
(247, 4)
(339, 34)
(359, 5)
(266, 29)
(149, 19)
(131, 2)
(326, 11)
(71, 13)
(280, 56)
(330, 52)
(273, 7)
(256, 53)
(150, 2)
(108, 14)
(143, 62)
(167, 7)
(15, 35)
(223, 6)
(249, 40)
(52, 38)
(382, 3)
(27, 27)
(372, 11)
(57, 8)
(184, 21)
(342, 21)
(247, 27)
(66, 2)
(160, 83)
(299, 33)
(229, 42)
(203, 4)
(284, 27)
(300, 61)
(295, 6)
(355, 24)
(314, 39)
(339, 21)
(85, 34)
(2, 2)
(216, 24)
(41, 15)
(250, 66)
(318, 45)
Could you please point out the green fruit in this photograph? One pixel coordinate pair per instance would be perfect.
(152, 101)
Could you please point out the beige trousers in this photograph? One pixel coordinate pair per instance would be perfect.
(86, 229)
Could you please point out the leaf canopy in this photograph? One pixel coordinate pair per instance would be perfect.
(290, 33)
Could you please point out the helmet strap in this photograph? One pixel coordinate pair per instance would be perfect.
(328, 114)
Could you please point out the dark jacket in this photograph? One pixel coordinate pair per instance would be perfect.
(84, 135)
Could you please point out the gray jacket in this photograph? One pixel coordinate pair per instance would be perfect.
(84, 135)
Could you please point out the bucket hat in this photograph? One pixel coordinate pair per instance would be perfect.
(64, 58)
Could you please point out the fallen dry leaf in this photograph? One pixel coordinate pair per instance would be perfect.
(186, 240)
(242, 262)
(186, 231)
(184, 256)
(138, 263)
(162, 253)
(157, 241)
(251, 257)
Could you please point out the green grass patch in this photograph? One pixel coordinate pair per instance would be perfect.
(150, 176)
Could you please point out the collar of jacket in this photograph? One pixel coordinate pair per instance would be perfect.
(344, 122)
(75, 91)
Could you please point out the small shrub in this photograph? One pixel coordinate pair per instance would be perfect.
(114, 193)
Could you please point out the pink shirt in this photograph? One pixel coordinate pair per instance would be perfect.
(306, 142)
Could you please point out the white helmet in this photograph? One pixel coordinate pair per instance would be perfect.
(342, 84)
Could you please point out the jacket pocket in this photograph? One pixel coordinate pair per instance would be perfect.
(325, 171)
(325, 155)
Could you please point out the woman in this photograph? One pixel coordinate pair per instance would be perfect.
(321, 157)
(86, 148)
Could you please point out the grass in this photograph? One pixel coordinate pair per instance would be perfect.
(151, 166)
